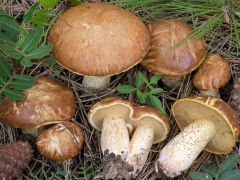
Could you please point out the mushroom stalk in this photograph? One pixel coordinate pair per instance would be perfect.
(183, 149)
(33, 131)
(172, 82)
(115, 137)
(95, 82)
(141, 143)
(209, 92)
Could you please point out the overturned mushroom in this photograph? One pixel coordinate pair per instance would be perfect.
(47, 102)
(169, 59)
(61, 141)
(207, 123)
(117, 119)
(213, 74)
(98, 40)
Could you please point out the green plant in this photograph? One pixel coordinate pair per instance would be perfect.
(57, 175)
(12, 84)
(146, 90)
(226, 170)
(85, 173)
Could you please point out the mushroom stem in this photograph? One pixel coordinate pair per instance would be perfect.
(32, 131)
(172, 82)
(183, 149)
(140, 146)
(209, 92)
(115, 137)
(95, 82)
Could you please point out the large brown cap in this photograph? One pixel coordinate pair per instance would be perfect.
(215, 110)
(164, 57)
(47, 102)
(98, 39)
(213, 73)
(61, 141)
(133, 115)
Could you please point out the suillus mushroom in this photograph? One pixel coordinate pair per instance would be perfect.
(98, 40)
(47, 102)
(118, 119)
(61, 141)
(168, 58)
(206, 123)
(213, 74)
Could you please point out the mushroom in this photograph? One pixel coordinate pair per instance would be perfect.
(47, 102)
(207, 123)
(98, 40)
(168, 58)
(117, 119)
(213, 74)
(61, 141)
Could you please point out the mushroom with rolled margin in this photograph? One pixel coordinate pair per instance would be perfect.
(60, 142)
(213, 74)
(117, 119)
(206, 123)
(168, 58)
(47, 102)
(98, 40)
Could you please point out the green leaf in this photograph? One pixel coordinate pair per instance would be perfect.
(156, 91)
(51, 62)
(26, 62)
(141, 96)
(40, 52)
(29, 14)
(154, 79)
(12, 94)
(199, 176)
(11, 51)
(44, 13)
(126, 89)
(5, 70)
(22, 82)
(228, 163)
(49, 3)
(138, 79)
(230, 175)
(210, 169)
(9, 27)
(156, 103)
(39, 21)
(75, 2)
(31, 39)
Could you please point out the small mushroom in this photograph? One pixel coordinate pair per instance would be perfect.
(98, 40)
(169, 59)
(213, 74)
(61, 141)
(118, 119)
(47, 102)
(207, 123)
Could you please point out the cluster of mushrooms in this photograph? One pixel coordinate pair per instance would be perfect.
(98, 40)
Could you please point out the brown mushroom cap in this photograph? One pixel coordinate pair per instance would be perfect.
(165, 59)
(99, 39)
(215, 110)
(213, 73)
(47, 102)
(61, 141)
(133, 115)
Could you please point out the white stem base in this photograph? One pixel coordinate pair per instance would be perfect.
(96, 83)
(140, 146)
(183, 149)
(209, 92)
(114, 137)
